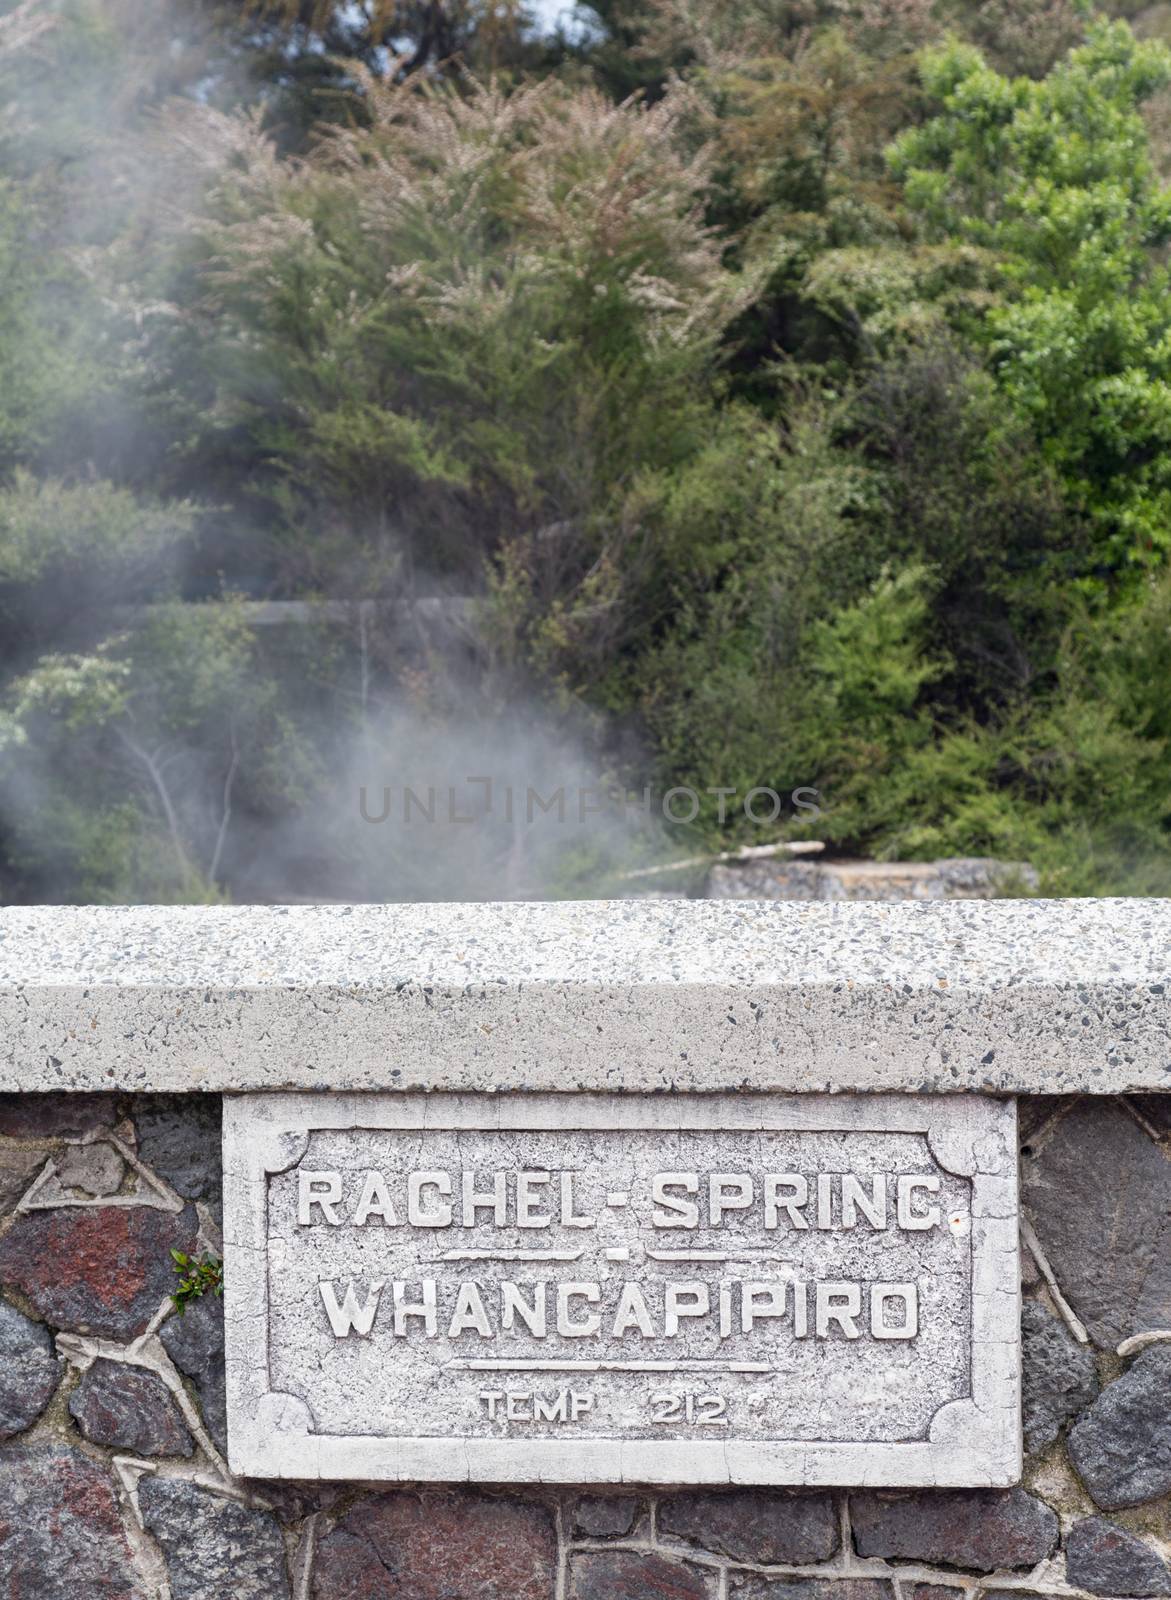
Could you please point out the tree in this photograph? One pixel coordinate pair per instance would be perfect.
(124, 770)
(471, 321)
(1055, 178)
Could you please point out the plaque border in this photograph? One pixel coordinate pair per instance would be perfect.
(972, 1442)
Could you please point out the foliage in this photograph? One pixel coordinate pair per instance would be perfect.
(198, 1275)
(1053, 176)
(764, 394)
(175, 715)
(50, 527)
(468, 314)
(47, 369)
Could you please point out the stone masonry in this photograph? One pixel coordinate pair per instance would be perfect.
(113, 1484)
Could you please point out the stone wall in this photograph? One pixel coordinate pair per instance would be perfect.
(112, 1477)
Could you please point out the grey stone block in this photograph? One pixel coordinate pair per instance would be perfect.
(1099, 1194)
(93, 1169)
(980, 1530)
(61, 1534)
(1156, 1108)
(194, 1340)
(213, 1546)
(606, 1516)
(29, 1370)
(129, 1408)
(179, 1138)
(18, 1167)
(1121, 1446)
(755, 1525)
(1035, 1110)
(1013, 1594)
(1059, 1376)
(753, 1586)
(1106, 1559)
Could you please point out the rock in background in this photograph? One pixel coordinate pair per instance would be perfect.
(960, 878)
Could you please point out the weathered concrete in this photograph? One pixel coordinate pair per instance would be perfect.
(376, 1247)
(1030, 996)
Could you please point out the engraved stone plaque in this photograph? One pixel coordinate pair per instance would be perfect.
(654, 1289)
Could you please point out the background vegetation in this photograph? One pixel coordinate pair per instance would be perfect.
(751, 394)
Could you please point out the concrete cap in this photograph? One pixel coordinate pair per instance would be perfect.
(1027, 996)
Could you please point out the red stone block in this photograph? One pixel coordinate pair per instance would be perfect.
(55, 1116)
(407, 1546)
(102, 1270)
(633, 1575)
(758, 1525)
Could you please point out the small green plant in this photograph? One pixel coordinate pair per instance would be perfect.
(197, 1277)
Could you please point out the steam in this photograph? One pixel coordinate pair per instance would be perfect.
(463, 809)
(419, 778)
